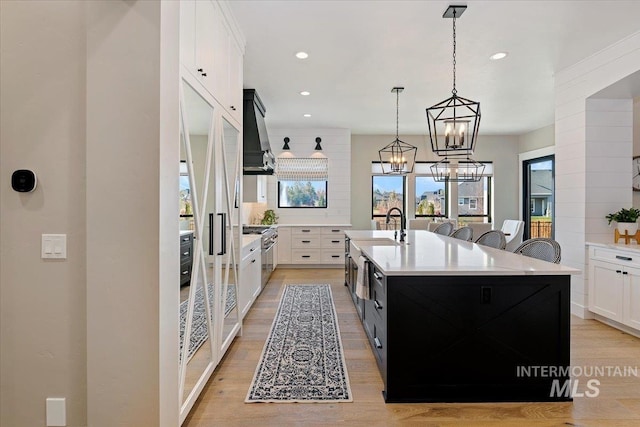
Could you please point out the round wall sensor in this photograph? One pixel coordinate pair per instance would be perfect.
(23, 181)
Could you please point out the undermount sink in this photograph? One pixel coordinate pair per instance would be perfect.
(379, 241)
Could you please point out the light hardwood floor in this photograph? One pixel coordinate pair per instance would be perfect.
(222, 402)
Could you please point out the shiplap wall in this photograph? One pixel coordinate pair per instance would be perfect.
(336, 146)
(584, 132)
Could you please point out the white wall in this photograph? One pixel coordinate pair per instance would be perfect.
(636, 142)
(336, 147)
(89, 102)
(42, 127)
(587, 165)
(502, 150)
(539, 138)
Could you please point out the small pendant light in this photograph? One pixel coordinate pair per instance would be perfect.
(397, 158)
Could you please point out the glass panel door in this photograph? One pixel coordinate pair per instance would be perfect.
(538, 180)
(197, 331)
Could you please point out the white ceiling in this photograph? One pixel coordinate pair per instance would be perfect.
(360, 49)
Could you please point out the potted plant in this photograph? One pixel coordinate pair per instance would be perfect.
(269, 217)
(626, 220)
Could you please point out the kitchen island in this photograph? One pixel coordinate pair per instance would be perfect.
(453, 321)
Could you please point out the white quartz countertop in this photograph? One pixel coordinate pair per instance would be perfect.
(183, 232)
(427, 253)
(620, 246)
(313, 225)
(248, 239)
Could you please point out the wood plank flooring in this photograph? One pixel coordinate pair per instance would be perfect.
(222, 402)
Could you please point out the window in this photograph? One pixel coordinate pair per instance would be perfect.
(430, 197)
(460, 202)
(387, 192)
(477, 200)
(302, 194)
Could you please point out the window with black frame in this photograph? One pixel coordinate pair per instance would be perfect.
(387, 192)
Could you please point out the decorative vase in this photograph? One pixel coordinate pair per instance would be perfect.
(630, 227)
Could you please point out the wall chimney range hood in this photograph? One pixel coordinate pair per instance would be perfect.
(257, 156)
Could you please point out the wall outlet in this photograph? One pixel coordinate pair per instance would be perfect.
(56, 412)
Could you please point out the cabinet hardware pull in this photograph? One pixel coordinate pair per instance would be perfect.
(624, 272)
(204, 74)
(185, 253)
(306, 241)
(200, 70)
(306, 256)
(335, 241)
(335, 256)
(185, 239)
(377, 276)
(223, 233)
(377, 305)
(377, 342)
(335, 231)
(252, 261)
(618, 271)
(185, 272)
(624, 258)
(252, 249)
(233, 108)
(306, 231)
(210, 234)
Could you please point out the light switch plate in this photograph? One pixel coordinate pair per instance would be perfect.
(54, 246)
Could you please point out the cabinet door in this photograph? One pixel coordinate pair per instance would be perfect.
(284, 245)
(606, 289)
(235, 82)
(204, 43)
(188, 34)
(632, 298)
(221, 60)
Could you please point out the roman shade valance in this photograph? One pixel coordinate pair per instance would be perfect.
(302, 169)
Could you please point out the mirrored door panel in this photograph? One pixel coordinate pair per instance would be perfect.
(198, 348)
(229, 163)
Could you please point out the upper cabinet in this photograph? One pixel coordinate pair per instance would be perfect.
(212, 50)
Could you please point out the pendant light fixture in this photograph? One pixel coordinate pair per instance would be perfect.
(451, 169)
(453, 123)
(397, 158)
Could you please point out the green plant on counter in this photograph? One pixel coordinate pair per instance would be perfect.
(269, 217)
(624, 215)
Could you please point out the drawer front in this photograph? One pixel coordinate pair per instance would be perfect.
(333, 231)
(250, 249)
(305, 231)
(305, 242)
(186, 252)
(379, 299)
(631, 259)
(335, 242)
(379, 345)
(330, 256)
(305, 256)
(185, 273)
(186, 238)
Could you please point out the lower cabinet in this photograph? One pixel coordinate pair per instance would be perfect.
(250, 276)
(186, 257)
(311, 244)
(614, 285)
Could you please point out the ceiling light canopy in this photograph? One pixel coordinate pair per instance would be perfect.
(397, 158)
(306, 115)
(305, 93)
(453, 123)
(302, 55)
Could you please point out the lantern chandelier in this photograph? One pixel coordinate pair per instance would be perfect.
(450, 169)
(397, 158)
(453, 123)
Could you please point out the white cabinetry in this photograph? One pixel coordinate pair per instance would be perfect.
(212, 52)
(254, 188)
(250, 276)
(614, 285)
(311, 245)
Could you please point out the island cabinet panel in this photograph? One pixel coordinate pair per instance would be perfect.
(464, 338)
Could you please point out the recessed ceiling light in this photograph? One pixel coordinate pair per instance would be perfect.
(498, 55)
(302, 55)
(305, 93)
(307, 115)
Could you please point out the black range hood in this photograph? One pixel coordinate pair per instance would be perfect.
(257, 157)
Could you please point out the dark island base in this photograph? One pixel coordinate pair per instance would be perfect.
(463, 338)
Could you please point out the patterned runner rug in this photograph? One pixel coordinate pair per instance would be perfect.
(302, 359)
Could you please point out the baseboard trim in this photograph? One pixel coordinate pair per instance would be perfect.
(581, 311)
(614, 324)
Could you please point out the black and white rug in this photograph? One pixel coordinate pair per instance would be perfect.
(199, 331)
(302, 359)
